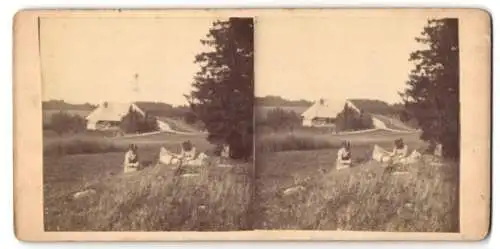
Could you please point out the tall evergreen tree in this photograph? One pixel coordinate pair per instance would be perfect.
(223, 92)
(432, 93)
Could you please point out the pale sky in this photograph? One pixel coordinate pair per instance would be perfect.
(346, 55)
(94, 59)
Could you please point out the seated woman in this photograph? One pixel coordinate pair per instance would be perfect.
(344, 156)
(131, 161)
(188, 151)
(400, 151)
(187, 155)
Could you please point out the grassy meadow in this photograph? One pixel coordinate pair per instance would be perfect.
(157, 198)
(365, 197)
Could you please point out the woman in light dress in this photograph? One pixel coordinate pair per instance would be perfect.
(344, 156)
(131, 161)
(399, 152)
(188, 152)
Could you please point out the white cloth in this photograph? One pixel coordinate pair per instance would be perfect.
(187, 158)
(396, 156)
(198, 161)
(379, 154)
(400, 153)
(167, 157)
(412, 158)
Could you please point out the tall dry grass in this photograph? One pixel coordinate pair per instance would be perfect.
(367, 197)
(156, 199)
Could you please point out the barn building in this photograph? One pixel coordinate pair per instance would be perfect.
(323, 112)
(109, 115)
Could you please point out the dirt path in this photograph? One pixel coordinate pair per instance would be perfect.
(393, 123)
(179, 126)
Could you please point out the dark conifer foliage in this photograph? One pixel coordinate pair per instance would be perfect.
(432, 93)
(223, 92)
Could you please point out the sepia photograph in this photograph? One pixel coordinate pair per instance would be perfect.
(358, 128)
(147, 123)
(252, 124)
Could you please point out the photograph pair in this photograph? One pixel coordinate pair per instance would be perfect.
(348, 120)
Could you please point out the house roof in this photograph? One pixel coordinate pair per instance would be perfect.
(111, 111)
(324, 108)
(114, 111)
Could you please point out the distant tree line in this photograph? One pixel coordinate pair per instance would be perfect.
(280, 101)
(64, 121)
(62, 105)
(153, 108)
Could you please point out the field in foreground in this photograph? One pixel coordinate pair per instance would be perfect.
(157, 198)
(366, 197)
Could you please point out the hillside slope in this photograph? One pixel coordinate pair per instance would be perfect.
(393, 123)
(179, 125)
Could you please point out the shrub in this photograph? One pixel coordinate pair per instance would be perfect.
(280, 119)
(135, 122)
(148, 124)
(190, 117)
(63, 122)
(350, 120)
